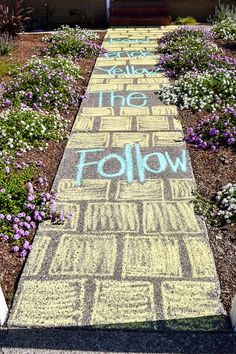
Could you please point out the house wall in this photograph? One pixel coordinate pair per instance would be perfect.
(93, 12)
(83, 12)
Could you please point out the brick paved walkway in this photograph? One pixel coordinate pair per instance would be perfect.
(134, 254)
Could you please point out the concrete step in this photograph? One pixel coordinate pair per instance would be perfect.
(150, 20)
(138, 11)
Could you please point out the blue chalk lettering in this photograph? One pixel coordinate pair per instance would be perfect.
(177, 164)
(82, 164)
(136, 96)
(140, 166)
(100, 168)
(129, 163)
(161, 160)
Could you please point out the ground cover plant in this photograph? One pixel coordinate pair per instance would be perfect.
(186, 49)
(214, 131)
(74, 42)
(32, 139)
(23, 128)
(206, 75)
(225, 30)
(210, 90)
(47, 82)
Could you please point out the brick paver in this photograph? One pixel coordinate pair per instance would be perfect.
(134, 254)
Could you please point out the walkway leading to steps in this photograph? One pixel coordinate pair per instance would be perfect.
(134, 254)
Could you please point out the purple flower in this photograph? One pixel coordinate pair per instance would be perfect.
(26, 245)
(1, 216)
(17, 237)
(230, 141)
(23, 253)
(15, 249)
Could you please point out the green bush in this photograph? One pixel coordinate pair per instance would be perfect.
(75, 42)
(186, 21)
(22, 128)
(223, 12)
(225, 30)
(6, 43)
(48, 83)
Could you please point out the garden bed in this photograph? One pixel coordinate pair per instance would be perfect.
(212, 171)
(204, 90)
(27, 45)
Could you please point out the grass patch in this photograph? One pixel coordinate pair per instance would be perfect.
(7, 69)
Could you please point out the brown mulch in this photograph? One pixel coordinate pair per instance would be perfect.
(27, 45)
(229, 47)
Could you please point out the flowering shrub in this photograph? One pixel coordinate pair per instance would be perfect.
(225, 30)
(223, 12)
(214, 131)
(22, 128)
(195, 56)
(226, 200)
(23, 205)
(48, 83)
(197, 91)
(177, 40)
(191, 49)
(76, 42)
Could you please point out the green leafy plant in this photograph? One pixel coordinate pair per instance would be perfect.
(12, 19)
(24, 205)
(223, 12)
(7, 69)
(186, 21)
(13, 183)
(226, 30)
(202, 205)
(6, 43)
(22, 128)
(48, 83)
(75, 42)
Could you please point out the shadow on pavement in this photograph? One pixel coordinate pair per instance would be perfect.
(115, 340)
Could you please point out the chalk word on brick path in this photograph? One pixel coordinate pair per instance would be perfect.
(125, 54)
(126, 163)
(129, 70)
(121, 100)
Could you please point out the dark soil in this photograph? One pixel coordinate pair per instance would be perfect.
(27, 45)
